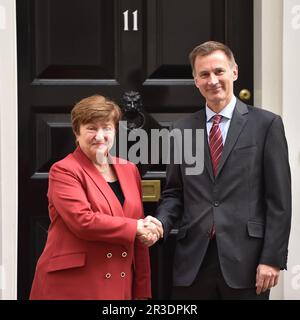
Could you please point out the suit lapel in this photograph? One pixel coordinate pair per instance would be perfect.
(100, 182)
(238, 122)
(201, 118)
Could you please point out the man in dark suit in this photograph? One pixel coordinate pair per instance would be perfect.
(234, 218)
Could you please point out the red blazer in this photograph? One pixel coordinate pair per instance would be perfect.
(91, 250)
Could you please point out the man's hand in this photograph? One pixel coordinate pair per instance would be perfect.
(149, 230)
(266, 277)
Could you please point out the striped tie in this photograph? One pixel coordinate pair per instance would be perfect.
(216, 147)
(215, 142)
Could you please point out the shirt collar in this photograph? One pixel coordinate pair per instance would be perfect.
(226, 112)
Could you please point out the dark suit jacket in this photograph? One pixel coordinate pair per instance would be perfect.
(249, 200)
(91, 250)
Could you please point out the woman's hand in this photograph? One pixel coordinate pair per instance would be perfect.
(149, 230)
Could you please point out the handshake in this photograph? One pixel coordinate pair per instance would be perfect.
(149, 230)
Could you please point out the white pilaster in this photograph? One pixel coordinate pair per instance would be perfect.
(268, 20)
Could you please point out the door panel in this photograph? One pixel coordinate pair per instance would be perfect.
(167, 27)
(70, 49)
(66, 46)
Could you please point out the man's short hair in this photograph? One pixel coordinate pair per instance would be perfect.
(207, 48)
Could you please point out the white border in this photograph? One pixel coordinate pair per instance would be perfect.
(268, 92)
(8, 151)
(291, 70)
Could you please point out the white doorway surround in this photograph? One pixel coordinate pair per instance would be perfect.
(276, 70)
(276, 73)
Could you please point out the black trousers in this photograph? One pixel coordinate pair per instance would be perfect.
(210, 284)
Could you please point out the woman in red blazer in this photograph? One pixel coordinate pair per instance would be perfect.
(95, 207)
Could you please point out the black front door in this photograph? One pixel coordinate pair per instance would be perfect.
(70, 49)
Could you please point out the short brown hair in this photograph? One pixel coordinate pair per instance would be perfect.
(207, 48)
(94, 108)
